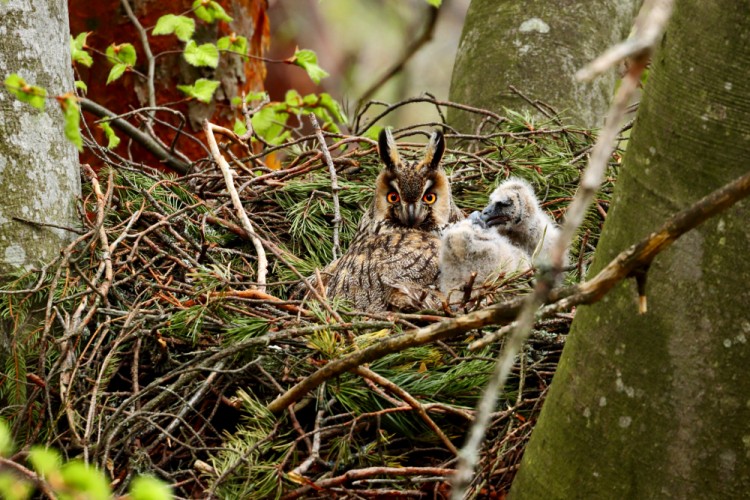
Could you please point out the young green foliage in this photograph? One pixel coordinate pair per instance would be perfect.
(112, 139)
(233, 43)
(78, 50)
(202, 90)
(24, 92)
(204, 55)
(72, 115)
(182, 26)
(123, 58)
(210, 11)
(308, 60)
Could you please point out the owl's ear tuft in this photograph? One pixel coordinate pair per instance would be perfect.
(435, 149)
(387, 149)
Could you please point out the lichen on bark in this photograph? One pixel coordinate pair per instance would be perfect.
(676, 405)
(39, 177)
(536, 46)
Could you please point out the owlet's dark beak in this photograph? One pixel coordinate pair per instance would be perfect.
(496, 213)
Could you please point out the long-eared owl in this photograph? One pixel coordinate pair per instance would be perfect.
(392, 262)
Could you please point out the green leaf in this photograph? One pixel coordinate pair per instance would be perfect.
(72, 115)
(256, 96)
(12, 488)
(292, 98)
(233, 43)
(202, 90)
(270, 122)
(333, 107)
(201, 55)
(149, 488)
(210, 11)
(123, 53)
(373, 132)
(112, 140)
(45, 461)
(182, 26)
(77, 52)
(239, 127)
(82, 86)
(6, 440)
(116, 72)
(83, 479)
(308, 60)
(24, 92)
(435, 3)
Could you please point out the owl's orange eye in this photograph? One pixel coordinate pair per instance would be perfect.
(429, 198)
(393, 197)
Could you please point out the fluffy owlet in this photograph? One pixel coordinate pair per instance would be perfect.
(508, 235)
(392, 262)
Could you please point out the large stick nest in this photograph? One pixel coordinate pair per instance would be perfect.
(146, 348)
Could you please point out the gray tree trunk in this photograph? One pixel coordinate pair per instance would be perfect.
(536, 46)
(658, 405)
(39, 177)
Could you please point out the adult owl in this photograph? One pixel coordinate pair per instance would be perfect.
(392, 262)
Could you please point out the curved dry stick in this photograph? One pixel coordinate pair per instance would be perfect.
(209, 128)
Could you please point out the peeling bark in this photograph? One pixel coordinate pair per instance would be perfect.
(657, 405)
(536, 46)
(38, 165)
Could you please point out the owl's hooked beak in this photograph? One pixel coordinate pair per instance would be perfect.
(411, 214)
(496, 214)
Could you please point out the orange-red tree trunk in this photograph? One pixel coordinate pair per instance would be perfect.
(108, 23)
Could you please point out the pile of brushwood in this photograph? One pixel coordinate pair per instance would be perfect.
(148, 347)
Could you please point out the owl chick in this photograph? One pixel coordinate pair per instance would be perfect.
(393, 257)
(469, 247)
(514, 212)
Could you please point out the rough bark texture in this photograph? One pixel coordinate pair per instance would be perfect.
(536, 46)
(38, 165)
(658, 405)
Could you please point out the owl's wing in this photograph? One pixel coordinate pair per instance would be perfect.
(410, 297)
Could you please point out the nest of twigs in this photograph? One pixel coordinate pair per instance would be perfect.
(147, 347)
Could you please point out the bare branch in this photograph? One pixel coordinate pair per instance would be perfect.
(208, 127)
(334, 186)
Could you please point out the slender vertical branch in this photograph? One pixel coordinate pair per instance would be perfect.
(334, 186)
(651, 23)
(147, 51)
(209, 128)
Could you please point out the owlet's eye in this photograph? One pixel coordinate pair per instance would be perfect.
(393, 197)
(429, 198)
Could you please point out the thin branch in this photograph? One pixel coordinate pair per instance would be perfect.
(141, 138)
(208, 127)
(147, 51)
(410, 400)
(412, 49)
(30, 475)
(334, 186)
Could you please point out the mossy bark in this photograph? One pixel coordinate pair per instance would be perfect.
(536, 46)
(39, 177)
(658, 405)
